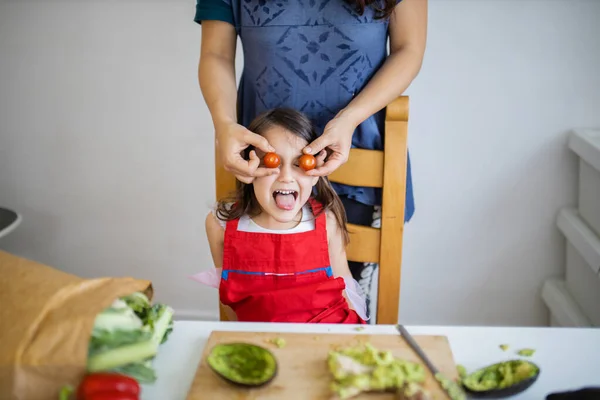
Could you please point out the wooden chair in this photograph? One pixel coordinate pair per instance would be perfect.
(371, 168)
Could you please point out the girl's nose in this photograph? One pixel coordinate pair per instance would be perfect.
(285, 174)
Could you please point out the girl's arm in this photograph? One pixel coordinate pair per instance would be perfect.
(216, 74)
(216, 237)
(337, 252)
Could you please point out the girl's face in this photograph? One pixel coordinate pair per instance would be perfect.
(281, 196)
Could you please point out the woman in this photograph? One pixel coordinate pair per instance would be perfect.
(326, 58)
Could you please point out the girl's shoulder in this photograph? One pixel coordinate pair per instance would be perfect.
(214, 211)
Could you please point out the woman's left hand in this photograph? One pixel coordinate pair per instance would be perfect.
(336, 140)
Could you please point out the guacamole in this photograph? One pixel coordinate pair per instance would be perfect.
(500, 375)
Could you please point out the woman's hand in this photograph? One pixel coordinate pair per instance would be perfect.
(336, 140)
(231, 140)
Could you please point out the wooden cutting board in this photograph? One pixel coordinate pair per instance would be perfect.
(302, 362)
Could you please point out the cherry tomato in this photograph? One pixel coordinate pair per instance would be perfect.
(108, 383)
(271, 160)
(307, 162)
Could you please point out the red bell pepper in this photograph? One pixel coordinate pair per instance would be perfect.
(108, 386)
(112, 396)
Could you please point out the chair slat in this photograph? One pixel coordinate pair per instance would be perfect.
(392, 222)
(364, 168)
(364, 245)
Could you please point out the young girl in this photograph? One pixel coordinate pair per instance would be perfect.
(279, 245)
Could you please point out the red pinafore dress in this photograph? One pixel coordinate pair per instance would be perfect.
(283, 277)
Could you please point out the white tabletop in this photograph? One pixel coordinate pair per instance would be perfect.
(569, 358)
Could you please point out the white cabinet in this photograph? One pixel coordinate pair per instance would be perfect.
(575, 301)
(582, 263)
(586, 144)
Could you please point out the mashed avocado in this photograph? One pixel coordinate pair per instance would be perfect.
(243, 363)
(500, 375)
(364, 368)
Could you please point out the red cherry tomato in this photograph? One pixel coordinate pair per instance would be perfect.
(108, 383)
(307, 162)
(271, 160)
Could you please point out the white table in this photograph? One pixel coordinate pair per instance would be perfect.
(569, 358)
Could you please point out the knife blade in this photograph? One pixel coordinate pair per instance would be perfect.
(452, 389)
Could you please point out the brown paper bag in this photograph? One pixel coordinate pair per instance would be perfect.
(46, 319)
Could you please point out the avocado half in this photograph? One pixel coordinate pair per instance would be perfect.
(501, 379)
(243, 364)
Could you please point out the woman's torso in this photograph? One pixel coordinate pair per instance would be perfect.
(314, 56)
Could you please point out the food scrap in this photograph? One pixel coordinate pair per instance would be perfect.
(279, 342)
(500, 375)
(413, 391)
(504, 347)
(364, 368)
(452, 388)
(359, 328)
(526, 352)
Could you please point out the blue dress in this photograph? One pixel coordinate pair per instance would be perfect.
(311, 55)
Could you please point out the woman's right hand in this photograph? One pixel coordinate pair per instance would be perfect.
(231, 140)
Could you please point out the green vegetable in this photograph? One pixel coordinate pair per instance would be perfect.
(454, 390)
(500, 375)
(126, 337)
(462, 371)
(526, 352)
(65, 392)
(364, 368)
(504, 347)
(243, 363)
(142, 371)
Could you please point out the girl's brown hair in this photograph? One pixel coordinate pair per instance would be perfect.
(243, 201)
(384, 12)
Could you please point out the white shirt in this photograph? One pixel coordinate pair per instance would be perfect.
(246, 224)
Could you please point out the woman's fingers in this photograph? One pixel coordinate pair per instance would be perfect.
(333, 163)
(251, 138)
(321, 158)
(247, 170)
(319, 144)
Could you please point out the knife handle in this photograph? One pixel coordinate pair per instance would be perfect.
(586, 393)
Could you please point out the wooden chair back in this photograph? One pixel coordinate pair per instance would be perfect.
(387, 170)
(370, 168)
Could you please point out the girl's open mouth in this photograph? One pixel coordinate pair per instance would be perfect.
(285, 199)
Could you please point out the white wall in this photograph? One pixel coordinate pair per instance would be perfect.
(106, 149)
